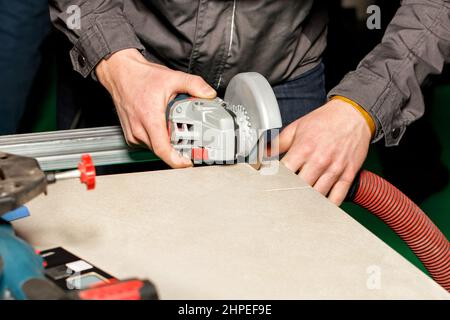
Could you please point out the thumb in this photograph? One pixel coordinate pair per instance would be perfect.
(283, 141)
(195, 86)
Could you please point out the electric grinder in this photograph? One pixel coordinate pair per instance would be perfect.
(225, 131)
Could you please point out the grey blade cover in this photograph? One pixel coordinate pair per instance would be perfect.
(254, 92)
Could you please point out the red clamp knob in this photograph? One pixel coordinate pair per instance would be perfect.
(87, 171)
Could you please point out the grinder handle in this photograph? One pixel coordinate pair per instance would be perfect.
(179, 97)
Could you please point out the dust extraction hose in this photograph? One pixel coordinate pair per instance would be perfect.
(405, 218)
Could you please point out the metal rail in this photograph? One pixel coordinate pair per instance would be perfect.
(62, 150)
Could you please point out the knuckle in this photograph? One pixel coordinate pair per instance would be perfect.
(131, 141)
(134, 130)
(347, 178)
(322, 161)
(157, 150)
(336, 168)
(137, 133)
(186, 77)
(306, 150)
(138, 136)
(353, 169)
(170, 79)
(197, 79)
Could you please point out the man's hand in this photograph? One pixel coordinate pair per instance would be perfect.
(327, 147)
(141, 92)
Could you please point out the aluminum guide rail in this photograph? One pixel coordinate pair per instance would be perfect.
(62, 150)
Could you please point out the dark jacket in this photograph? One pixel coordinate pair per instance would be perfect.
(387, 83)
(280, 39)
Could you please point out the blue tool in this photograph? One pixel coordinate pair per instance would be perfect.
(17, 214)
(21, 180)
(19, 264)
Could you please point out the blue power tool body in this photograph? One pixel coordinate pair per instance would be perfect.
(19, 264)
(21, 180)
(22, 274)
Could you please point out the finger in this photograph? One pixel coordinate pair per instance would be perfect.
(282, 142)
(126, 128)
(129, 139)
(293, 160)
(159, 138)
(141, 136)
(340, 190)
(194, 86)
(311, 172)
(327, 180)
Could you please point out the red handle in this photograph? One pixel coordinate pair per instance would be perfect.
(87, 171)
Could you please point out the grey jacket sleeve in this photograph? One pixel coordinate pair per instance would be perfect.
(387, 83)
(102, 30)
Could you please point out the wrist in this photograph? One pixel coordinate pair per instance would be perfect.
(115, 61)
(366, 115)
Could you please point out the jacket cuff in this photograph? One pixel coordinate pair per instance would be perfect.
(104, 37)
(380, 98)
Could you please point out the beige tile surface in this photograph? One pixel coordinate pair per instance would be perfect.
(223, 232)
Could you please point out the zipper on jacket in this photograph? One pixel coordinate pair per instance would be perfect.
(198, 26)
(232, 27)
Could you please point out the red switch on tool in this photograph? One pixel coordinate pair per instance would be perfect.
(199, 154)
(87, 171)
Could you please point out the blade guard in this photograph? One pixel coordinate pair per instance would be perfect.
(254, 92)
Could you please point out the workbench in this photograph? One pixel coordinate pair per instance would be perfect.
(223, 232)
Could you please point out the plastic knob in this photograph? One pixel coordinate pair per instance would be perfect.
(87, 171)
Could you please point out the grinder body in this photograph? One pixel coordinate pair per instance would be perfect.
(222, 131)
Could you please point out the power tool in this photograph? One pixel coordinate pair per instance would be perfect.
(225, 131)
(21, 180)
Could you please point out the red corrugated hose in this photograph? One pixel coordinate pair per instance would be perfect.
(407, 220)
